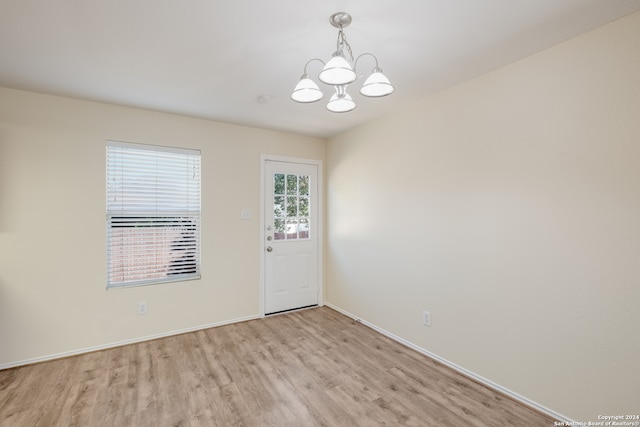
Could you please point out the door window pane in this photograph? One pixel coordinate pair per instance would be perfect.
(303, 228)
(292, 207)
(278, 183)
(279, 231)
(278, 206)
(292, 229)
(292, 184)
(304, 185)
(303, 206)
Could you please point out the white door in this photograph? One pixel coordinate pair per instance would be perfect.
(291, 235)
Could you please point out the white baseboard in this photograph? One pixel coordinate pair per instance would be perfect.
(121, 343)
(465, 372)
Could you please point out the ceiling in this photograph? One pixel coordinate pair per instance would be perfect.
(237, 61)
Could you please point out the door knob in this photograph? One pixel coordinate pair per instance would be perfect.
(269, 248)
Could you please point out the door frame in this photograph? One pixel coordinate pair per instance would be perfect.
(320, 220)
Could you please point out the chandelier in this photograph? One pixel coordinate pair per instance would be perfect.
(339, 72)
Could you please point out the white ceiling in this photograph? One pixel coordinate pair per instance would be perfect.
(215, 58)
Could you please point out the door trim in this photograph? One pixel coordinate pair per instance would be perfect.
(320, 240)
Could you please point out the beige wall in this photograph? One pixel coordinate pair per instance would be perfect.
(52, 224)
(509, 207)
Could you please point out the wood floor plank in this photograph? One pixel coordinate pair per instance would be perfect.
(313, 367)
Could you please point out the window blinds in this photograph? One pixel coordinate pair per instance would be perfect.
(153, 214)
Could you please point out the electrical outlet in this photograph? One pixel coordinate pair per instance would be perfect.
(143, 307)
(426, 318)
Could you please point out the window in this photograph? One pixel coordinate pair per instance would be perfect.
(153, 214)
(290, 206)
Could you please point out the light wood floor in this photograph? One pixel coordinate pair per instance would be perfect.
(313, 367)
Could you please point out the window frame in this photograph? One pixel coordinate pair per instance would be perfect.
(153, 196)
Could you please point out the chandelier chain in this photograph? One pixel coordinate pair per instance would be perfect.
(342, 42)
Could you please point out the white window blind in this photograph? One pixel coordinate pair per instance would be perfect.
(153, 214)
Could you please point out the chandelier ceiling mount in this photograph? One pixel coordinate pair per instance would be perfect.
(340, 20)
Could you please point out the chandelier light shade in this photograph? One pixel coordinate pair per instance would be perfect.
(339, 72)
(341, 102)
(306, 90)
(376, 85)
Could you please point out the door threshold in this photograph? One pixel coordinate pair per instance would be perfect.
(291, 310)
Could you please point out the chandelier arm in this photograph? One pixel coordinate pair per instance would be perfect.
(310, 61)
(355, 64)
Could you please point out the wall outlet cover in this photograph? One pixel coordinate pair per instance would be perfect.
(426, 318)
(143, 307)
